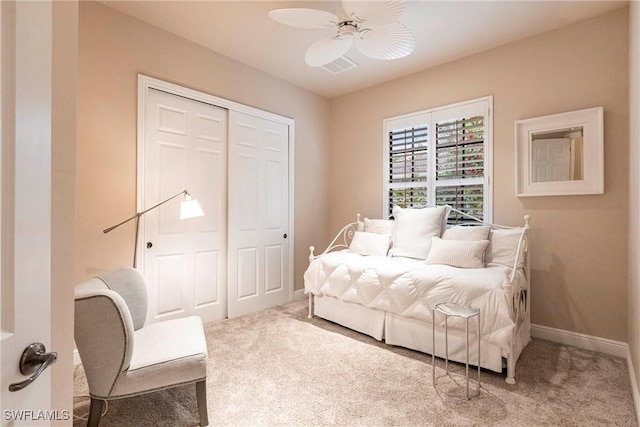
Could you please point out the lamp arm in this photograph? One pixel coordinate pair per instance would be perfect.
(113, 227)
(139, 214)
(163, 202)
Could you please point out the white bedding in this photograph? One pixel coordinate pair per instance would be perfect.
(411, 288)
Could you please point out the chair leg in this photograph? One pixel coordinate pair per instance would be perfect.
(201, 396)
(95, 412)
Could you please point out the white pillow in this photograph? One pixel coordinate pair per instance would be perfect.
(380, 226)
(415, 228)
(503, 246)
(458, 253)
(364, 243)
(467, 232)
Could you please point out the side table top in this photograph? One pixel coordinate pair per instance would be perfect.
(455, 309)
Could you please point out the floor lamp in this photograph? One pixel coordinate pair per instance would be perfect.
(189, 208)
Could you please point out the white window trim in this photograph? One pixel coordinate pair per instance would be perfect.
(410, 119)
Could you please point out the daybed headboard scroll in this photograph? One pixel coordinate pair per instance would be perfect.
(522, 259)
(519, 299)
(342, 239)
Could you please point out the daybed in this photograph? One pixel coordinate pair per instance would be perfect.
(383, 277)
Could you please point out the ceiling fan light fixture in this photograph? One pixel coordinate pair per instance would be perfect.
(384, 37)
(351, 28)
(348, 27)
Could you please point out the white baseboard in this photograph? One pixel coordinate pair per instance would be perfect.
(587, 342)
(634, 384)
(299, 295)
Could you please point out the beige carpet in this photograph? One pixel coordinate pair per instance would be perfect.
(277, 367)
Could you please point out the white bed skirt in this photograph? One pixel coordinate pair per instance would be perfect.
(417, 335)
(354, 316)
(407, 332)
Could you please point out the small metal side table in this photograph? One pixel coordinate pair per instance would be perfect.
(465, 312)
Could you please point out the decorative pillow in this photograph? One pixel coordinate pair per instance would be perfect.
(380, 226)
(503, 246)
(458, 253)
(467, 232)
(364, 243)
(415, 228)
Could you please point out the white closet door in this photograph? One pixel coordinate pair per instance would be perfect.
(258, 213)
(184, 262)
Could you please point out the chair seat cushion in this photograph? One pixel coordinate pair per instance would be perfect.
(165, 354)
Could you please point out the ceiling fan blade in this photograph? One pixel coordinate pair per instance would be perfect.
(326, 50)
(391, 41)
(374, 13)
(304, 18)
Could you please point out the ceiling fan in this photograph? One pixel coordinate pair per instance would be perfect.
(372, 25)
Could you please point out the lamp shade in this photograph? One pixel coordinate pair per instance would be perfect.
(190, 208)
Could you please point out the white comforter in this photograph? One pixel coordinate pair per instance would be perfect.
(411, 288)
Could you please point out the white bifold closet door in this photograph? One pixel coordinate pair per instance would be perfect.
(258, 213)
(184, 262)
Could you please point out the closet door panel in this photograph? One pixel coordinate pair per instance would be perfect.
(169, 269)
(246, 193)
(207, 278)
(274, 280)
(258, 213)
(247, 272)
(184, 262)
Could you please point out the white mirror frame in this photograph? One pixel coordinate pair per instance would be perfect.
(592, 182)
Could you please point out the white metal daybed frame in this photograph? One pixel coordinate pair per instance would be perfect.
(417, 334)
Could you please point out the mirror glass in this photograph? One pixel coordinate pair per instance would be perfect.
(557, 155)
(560, 154)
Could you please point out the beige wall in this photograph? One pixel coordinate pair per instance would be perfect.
(634, 195)
(579, 243)
(113, 49)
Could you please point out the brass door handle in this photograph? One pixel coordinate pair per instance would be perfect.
(34, 359)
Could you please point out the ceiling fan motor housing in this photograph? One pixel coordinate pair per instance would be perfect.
(350, 28)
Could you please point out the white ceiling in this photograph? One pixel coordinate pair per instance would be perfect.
(444, 31)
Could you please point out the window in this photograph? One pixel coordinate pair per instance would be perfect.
(441, 157)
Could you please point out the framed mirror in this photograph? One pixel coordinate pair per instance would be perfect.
(561, 154)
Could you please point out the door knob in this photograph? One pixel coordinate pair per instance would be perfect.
(34, 359)
(149, 245)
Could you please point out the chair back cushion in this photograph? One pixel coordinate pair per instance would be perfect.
(104, 335)
(128, 282)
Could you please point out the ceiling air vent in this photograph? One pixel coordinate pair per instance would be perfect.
(340, 65)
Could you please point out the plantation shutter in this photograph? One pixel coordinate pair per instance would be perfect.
(408, 163)
(459, 145)
(440, 157)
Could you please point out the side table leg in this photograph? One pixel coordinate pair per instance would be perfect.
(467, 364)
(433, 346)
(446, 344)
(479, 352)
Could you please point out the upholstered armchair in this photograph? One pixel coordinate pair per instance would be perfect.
(121, 356)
